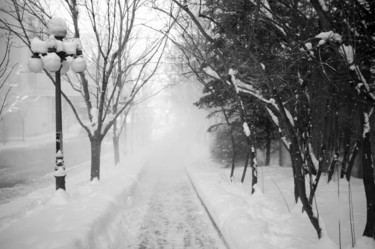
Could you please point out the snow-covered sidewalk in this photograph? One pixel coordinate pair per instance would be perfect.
(28, 166)
(170, 214)
(90, 215)
(270, 220)
(148, 202)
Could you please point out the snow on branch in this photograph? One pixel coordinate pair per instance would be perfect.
(323, 5)
(108, 119)
(289, 115)
(330, 36)
(246, 129)
(275, 120)
(93, 124)
(248, 88)
(366, 124)
(348, 53)
(210, 72)
(314, 160)
(265, 10)
(273, 117)
(363, 82)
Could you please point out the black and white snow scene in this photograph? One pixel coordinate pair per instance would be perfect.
(176, 124)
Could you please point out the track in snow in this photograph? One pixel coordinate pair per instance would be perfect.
(170, 214)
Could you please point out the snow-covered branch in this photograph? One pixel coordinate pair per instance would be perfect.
(314, 160)
(275, 120)
(212, 73)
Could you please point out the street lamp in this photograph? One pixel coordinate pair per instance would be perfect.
(52, 55)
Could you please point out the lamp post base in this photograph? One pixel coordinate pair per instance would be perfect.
(60, 182)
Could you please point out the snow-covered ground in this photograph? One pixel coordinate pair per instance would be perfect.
(89, 215)
(269, 218)
(148, 202)
(169, 213)
(29, 165)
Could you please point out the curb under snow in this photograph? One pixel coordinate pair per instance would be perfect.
(252, 221)
(90, 216)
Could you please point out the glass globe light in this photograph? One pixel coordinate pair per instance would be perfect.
(35, 64)
(52, 62)
(78, 65)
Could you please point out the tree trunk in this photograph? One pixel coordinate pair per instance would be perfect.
(296, 192)
(369, 183)
(96, 145)
(300, 183)
(115, 139)
(246, 164)
(268, 144)
(297, 164)
(116, 149)
(318, 175)
(254, 166)
(124, 137)
(233, 153)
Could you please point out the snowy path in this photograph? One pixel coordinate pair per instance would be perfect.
(170, 214)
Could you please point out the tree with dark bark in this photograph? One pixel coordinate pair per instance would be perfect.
(263, 73)
(119, 67)
(305, 65)
(356, 48)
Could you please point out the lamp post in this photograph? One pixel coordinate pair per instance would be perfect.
(52, 55)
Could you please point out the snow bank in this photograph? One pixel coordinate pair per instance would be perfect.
(88, 215)
(260, 220)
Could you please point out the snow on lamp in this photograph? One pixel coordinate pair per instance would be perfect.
(70, 47)
(59, 46)
(57, 27)
(38, 46)
(56, 55)
(35, 64)
(54, 45)
(51, 43)
(78, 65)
(57, 52)
(52, 62)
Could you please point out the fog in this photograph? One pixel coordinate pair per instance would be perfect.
(170, 117)
(165, 125)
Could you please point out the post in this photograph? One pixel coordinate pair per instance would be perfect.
(58, 29)
(59, 168)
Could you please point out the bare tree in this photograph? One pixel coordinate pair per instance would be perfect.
(119, 67)
(6, 72)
